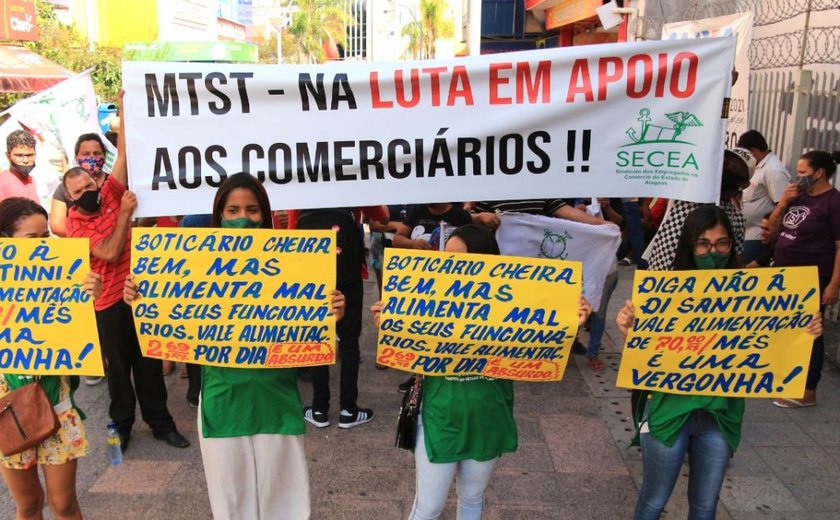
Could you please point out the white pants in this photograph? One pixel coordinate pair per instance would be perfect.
(258, 477)
(434, 479)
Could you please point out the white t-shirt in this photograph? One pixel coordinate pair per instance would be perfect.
(766, 187)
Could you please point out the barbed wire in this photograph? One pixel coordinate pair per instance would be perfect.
(765, 12)
(783, 50)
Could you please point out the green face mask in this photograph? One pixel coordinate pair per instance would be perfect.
(241, 223)
(711, 260)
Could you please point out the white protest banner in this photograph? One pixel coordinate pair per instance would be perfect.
(740, 25)
(618, 120)
(536, 236)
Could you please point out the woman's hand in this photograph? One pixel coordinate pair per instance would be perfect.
(130, 294)
(584, 310)
(337, 303)
(626, 317)
(420, 244)
(375, 312)
(790, 193)
(815, 328)
(92, 285)
(488, 219)
(830, 294)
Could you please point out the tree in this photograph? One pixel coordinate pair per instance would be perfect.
(268, 48)
(424, 33)
(65, 46)
(315, 24)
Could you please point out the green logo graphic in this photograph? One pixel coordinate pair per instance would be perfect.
(662, 134)
(554, 245)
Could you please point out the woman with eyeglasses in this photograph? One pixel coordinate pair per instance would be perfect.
(707, 428)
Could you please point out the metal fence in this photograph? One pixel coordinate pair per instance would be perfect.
(796, 111)
(816, 45)
(765, 12)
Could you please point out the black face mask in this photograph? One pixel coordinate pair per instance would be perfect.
(23, 170)
(89, 201)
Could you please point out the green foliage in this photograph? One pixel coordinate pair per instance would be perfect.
(268, 49)
(65, 46)
(424, 33)
(315, 23)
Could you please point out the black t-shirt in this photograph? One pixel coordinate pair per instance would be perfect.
(426, 226)
(349, 241)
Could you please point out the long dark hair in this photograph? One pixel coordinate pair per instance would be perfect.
(479, 239)
(817, 159)
(241, 180)
(696, 223)
(15, 209)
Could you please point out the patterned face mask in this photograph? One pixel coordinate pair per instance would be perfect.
(92, 165)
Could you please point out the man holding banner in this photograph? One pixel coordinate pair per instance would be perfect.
(104, 216)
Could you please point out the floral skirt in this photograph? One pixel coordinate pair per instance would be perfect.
(68, 443)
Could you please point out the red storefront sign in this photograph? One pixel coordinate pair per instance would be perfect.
(18, 20)
(22, 70)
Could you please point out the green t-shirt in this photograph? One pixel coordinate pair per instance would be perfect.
(467, 418)
(668, 413)
(237, 402)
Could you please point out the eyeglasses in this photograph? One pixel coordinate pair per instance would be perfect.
(703, 246)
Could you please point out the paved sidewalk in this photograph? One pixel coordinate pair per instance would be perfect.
(573, 460)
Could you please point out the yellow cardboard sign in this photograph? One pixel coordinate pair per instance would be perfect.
(726, 333)
(47, 321)
(253, 298)
(478, 315)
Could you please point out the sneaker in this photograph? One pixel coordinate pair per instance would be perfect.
(406, 385)
(317, 419)
(351, 420)
(93, 380)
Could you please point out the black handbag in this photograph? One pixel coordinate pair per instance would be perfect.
(409, 412)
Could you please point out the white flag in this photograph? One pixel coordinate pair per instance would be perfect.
(537, 236)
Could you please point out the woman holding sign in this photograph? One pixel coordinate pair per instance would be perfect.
(250, 421)
(465, 423)
(707, 428)
(23, 218)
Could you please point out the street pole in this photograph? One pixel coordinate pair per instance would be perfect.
(422, 39)
(474, 27)
(285, 17)
(279, 44)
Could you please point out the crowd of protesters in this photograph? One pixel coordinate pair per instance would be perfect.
(254, 462)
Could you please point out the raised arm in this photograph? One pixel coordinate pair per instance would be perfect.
(111, 247)
(120, 171)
